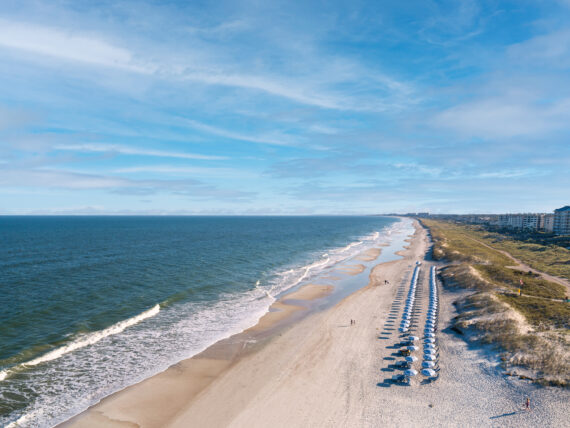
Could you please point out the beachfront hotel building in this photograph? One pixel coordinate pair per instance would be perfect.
(547, 222)
(519, 221)
(561, 224)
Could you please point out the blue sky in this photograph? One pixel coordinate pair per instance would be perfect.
(255, 107)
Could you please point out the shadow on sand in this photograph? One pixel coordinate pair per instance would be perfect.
(503, 415)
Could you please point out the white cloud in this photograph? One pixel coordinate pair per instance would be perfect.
(125, 150)
(552, 48)
(311, 86)
(52, 178)
(505, 117)
(65, 45)
(176, 170)
(277, 139)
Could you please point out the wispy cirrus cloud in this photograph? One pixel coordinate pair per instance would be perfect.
(278, 139)
(66, 45)
(311, 87)
(136, 151)
(73, 180)
(508, 116)
(182, 170)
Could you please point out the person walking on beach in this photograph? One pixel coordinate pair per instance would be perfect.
(527, 403)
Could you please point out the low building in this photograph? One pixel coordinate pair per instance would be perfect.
(561, 224)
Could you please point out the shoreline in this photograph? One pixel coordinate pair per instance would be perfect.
(189, 377)
(320, 370)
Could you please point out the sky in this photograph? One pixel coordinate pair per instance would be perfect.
(284, 107)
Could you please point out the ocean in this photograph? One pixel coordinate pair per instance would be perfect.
(90, 305)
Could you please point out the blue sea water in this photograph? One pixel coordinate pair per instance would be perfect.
(89, 305)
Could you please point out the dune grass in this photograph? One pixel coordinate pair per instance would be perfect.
(551, 259)
(540, 312)
(494, 313)
(458, 243)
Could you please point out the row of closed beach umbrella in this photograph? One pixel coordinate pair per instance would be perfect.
(431, 353)
(410, 343)
(410, 300)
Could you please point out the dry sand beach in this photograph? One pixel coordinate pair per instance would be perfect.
(306, 368)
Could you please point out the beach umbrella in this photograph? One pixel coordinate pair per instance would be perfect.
(413, 338)
(403, 329)
(429, 357)
(430, 335)
(429, 351)
(412, 348)
(411, 359)
(429, 346)
(428, 372)
(428, 330)
(428, 364)
(410, 372)
(429, 340)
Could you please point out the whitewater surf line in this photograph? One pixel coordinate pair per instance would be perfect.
(82, 341)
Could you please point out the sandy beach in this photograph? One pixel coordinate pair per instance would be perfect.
(306, 368)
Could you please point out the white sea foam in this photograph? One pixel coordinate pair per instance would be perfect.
(85, 340)
(349, 246)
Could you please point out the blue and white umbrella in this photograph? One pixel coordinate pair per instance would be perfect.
(410, 372)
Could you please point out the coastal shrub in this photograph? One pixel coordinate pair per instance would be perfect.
(492, 314)
(540, 312)
(461, 276)
(531, 284)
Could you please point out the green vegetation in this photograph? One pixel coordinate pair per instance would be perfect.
(538, 254)
(461, 243)
(494, 313)
(541, 313)
(551, 259)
